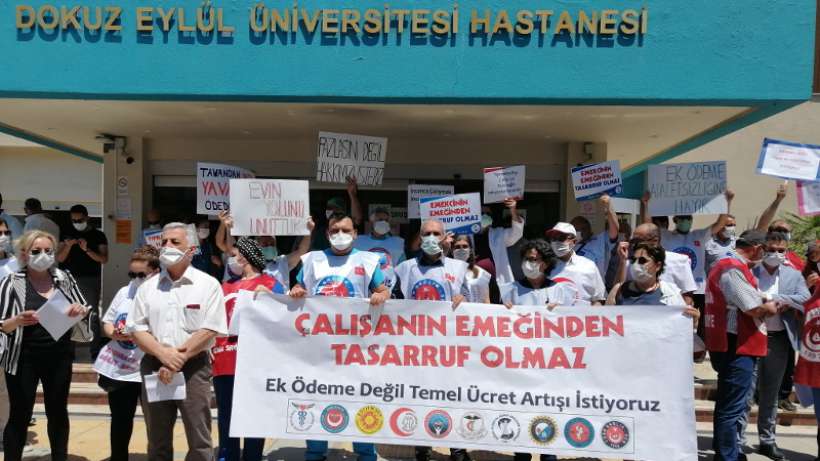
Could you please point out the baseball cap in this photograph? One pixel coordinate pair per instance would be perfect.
(752, 237)
(562, 228)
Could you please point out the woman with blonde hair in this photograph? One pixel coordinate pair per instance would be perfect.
(31, 355)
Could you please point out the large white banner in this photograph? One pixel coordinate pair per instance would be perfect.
(687, 188)
(612, 382)
(213, 188)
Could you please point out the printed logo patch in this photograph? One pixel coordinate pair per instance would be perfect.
(579, 432)
(615, 435)
(404, 422)
(472, 426)
(505, 428)
(686, 251)
(438, 424)
(369, 419)
(428, 290)
(119, 324)
(301, 417)
(334, 419)
(811, 336)
(335, 285)
(543, 430)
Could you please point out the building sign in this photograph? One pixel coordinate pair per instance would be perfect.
(260, 18)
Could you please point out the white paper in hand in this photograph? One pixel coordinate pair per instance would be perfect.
(160, 392)
(54, 317)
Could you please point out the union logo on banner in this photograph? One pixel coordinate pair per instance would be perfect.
(404, 422)
(428, 290)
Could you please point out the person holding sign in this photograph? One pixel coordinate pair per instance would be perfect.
(248, 262)
(574, 268)
(336, 205)
(32, 355)
(118, 361)
(175, 318)
(345, 272)
(598, 247)
(495, 237)
(477, 279)
(390, 247)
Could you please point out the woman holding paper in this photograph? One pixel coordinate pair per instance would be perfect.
(119, 361)
(32, 355)
(247, 262)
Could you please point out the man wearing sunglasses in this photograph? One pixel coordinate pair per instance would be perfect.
(82, 252)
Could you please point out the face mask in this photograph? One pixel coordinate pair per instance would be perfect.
(639, 273)
(462, 254)
(561, 249)
(486, 221)
(531, 269)
(774, 259)
(729, 232)
(329, 213)
(683, 226)
(41, 262)
(381, 227)
(170, 256)
(431, 245)
(341, 241)
(4, 242)
(80, 226)
(270, 253)
(203, 233)
(234, 266)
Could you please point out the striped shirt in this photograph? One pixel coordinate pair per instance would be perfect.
(739, 294)
(13, 302)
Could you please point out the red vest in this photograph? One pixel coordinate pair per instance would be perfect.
(751, 340)
(808, 363)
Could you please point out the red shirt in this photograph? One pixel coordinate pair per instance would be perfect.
(795, 260)
(807, 372)
(224, 350)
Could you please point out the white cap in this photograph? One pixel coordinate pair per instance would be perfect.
(563, 228)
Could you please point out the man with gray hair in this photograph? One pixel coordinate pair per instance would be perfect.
(176, 316)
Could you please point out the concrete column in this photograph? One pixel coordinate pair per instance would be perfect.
(123, 186)
(576, 155)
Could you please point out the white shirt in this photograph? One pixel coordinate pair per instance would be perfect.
(561, 293)
(677, 271)
(172, 311)
(584, 274)
(478, 286)
(693, 245)
(500, 239)
(770, 284)
(13, 224)
(117, 315)
(41, 222)
(8, 266)
(598, 249)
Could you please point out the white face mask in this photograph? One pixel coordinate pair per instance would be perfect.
(381, 227)
(774, 259)
(80, 226)
(462, 254)
(639, 273)
(170, 256)
(431, 245)
(531, 269)
(561, 249)
(203, 233)
(730, 231)
(234, 266)
(41, 262)
(341, 241)
(5, 241)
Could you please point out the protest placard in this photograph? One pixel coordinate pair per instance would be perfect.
(417, 191)
(270, 207)
(461, 214)
(789, 160)
(592, 181)
(152, 237)
(808, 198)
(340, 156)
(328, 369)
(501, 183)
(687, 188)
(212, 186)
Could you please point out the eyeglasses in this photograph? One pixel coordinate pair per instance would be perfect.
(781, 250)
(78, 221)
(642, 260)
(137, 275)
(37, 251)
(5, 233)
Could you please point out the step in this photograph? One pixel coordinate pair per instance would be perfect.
(83, 373)
(89, 393)
(705, 409)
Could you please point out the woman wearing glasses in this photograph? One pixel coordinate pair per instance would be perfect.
(119, 361)
(8, 263)
(31, 355)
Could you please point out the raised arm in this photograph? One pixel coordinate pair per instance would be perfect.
(355, 205)
(611, 217)
(304, 246)
(224, 239)
(723, 218)
(769, 213)
(644, 217)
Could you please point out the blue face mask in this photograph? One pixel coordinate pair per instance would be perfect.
(270, 253)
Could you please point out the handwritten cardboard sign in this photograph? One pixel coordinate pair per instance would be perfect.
(212, 186)
(687, 188)
(270, 207)
(340, 156)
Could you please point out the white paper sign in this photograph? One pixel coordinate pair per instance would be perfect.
(157, 391)
(592, 181)
(501, 183)
(461, 214)
(564, 382)
(416, 191)
(808, 198)
(687, 188)
(213, 188)
(340, 156)
(270, 207)
(789, 160)
(53, 315)
(153, 237)
(119, 360)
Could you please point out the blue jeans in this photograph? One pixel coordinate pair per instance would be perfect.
(735, 377)
(317, 450)
(229, 446)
